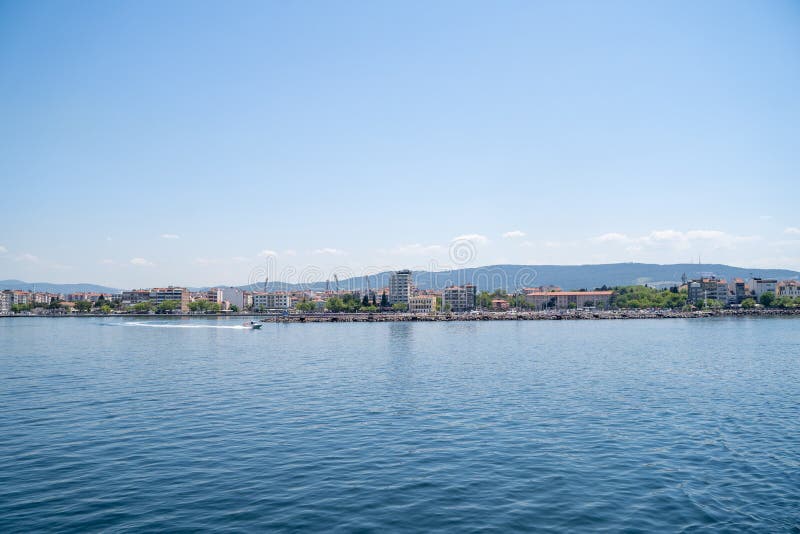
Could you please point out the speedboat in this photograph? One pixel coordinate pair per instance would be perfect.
(255, 325)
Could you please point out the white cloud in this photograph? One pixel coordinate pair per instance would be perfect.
(513, 233)
(267, 253)
(675, 239)
(329, 251)
(475, 238)
(792, 230)
(611, 237)
(27, 257)
(412, 249)
(170, 236)
(141, 262)
(3, 249)
(107, 262)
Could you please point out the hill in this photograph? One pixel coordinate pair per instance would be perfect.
(513, 277)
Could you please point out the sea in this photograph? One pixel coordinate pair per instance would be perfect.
(193, 425)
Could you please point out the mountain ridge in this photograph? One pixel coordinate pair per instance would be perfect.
(510, 277)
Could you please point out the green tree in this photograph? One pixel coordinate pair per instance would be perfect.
(365, 301)
(167, 306)
(384, 301)
(105, 309)
(142, 307)
(767, 299)
(400, 306)
(334, 304)
(83, 306)
(306, 306)
(234, 308)
(55, 303)
(784, 302)
(748, 304)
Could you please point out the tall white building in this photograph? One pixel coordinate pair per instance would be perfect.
(759, 286)
(6, 301)
(400, 284)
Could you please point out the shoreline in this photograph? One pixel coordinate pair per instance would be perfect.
(569, 315)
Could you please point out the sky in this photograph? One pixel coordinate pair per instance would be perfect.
(200, 143)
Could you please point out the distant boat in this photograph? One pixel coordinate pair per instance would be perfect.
(255, 325)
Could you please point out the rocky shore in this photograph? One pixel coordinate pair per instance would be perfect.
(524, 315)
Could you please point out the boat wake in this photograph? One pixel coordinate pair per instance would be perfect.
(213, 326)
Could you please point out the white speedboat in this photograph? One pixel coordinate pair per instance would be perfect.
(255, 325)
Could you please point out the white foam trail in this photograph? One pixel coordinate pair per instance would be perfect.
(155, 325)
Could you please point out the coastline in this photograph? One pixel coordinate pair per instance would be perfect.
(343, 317)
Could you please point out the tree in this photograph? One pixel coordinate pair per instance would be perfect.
(105, 309)
(234, 308)
(55, 303)
(784, 302)
(167, 306)
(142, 307)
(83, 306)
(400, 306)
(748, 304)
(767, 299)
(306, 306)
(374, 302)
(365, 301)
(384, 300)
(334, 304)
(100, 302)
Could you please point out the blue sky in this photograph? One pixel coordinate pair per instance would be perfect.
(146, 143)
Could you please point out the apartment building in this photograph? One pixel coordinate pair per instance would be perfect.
(400, 285)
(6, 301)
(171, 293)
(459, 298)
(422, 304)
(708, 289)
(788, 288)
(759, 286)
(272, 301)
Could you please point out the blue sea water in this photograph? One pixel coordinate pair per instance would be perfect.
(190, 425)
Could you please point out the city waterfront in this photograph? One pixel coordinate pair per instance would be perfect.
(130, 424)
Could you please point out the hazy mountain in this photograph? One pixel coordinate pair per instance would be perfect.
(491, 277)
(511, 277)
(56, 288)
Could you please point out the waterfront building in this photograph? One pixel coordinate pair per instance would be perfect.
(214, 295)
(499, 304)
(400, 284)
(135, 296)
(44, 298)
(21, 297)
(710, 288)
(271, 301)
(788, 288)
(171, 293)
(6, 301)
(233, 296)
(541, 300)
(459, 298)
(739, 291)
(759, 286)
(247, 299)
(422, 304)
